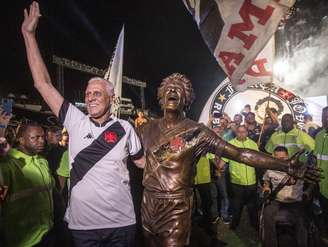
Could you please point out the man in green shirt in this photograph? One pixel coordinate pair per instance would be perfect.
(243, 181)
(27, 209)
(321, 151)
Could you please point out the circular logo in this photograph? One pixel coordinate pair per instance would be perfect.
(259, 97)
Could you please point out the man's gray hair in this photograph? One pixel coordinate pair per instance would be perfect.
(109, 85)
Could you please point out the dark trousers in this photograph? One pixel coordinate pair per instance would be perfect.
(323, 222)
(291, 213)
(209, 201)
(224, 199)
(243, 195)
(110, 237)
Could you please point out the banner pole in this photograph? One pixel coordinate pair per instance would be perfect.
(265, 114)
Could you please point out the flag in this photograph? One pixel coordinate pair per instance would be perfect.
(238, 33)
(115, 72)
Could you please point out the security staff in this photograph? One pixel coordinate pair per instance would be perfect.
(243, 181)
(27, 209)
(321, 151)
(290, 137)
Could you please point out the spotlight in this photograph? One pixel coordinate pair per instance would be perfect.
(280, 68)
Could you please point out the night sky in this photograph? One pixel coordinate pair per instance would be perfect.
(160, 38)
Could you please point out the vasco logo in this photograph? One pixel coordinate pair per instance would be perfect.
(110, 137)
(230, 101)
(177, 144)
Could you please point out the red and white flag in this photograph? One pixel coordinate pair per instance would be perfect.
(240, 35)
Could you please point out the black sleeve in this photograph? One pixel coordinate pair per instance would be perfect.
(138, 155)
(63, 111)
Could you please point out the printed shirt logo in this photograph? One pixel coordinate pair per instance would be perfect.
(110, 137)
(177, 144)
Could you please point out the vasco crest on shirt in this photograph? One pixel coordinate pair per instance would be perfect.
(110, 137)
(176, 145)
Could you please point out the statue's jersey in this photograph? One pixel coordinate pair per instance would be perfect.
(172, 154)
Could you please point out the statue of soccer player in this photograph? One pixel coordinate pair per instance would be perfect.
(173, 144)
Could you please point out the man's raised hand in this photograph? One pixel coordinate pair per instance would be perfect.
(31, 19)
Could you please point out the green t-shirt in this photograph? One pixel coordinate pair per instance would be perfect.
(63, 169)
(203, 169)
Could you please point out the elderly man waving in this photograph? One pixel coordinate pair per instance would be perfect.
(100, 209)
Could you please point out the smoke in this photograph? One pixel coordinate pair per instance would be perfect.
(304, 67)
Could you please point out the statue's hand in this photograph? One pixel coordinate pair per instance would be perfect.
(299, 170)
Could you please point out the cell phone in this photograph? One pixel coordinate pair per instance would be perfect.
(217, 114)
(7, 105)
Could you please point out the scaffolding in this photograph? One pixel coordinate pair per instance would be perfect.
(71, 64)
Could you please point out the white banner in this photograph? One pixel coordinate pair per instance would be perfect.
(115, 72)
(249, 25)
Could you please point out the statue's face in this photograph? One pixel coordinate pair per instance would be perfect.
(174, 97)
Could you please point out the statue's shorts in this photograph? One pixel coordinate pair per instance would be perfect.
(166, 218)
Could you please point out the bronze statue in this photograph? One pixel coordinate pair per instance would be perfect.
(173, 145)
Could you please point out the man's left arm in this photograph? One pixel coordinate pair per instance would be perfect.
(63, 170)
(140, 162)
(135, 149)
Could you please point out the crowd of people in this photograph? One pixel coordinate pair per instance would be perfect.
(36, 170)
(234, 185)
(44, 172)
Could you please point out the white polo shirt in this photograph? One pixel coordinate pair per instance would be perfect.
(100, 194)
(289, 193)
